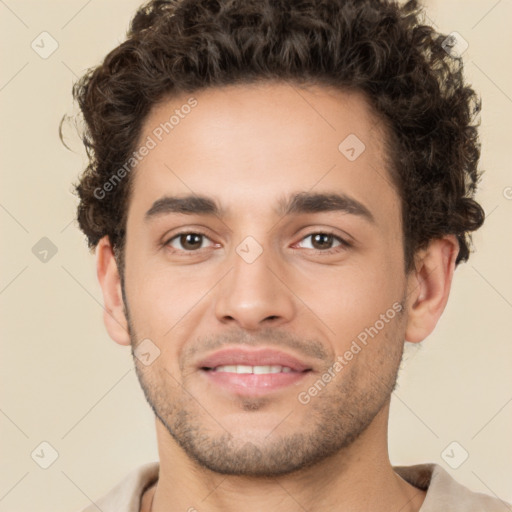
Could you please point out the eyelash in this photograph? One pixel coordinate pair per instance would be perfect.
(343, 243)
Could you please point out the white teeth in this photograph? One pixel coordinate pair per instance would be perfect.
(228, 368)
(260, 369)
(240, 368)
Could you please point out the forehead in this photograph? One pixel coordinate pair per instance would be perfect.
(250, 146)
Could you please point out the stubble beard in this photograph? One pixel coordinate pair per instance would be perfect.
(328, 424)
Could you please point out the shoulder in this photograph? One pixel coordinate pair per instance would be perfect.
(445, 493)
(126, 495)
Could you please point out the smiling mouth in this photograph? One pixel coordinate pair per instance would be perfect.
(253, 380)
(257, 370)
(246, 371)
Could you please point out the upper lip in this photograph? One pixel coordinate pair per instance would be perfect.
(253, 357)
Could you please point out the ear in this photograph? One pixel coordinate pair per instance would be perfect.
(429, 286)
(110, 282)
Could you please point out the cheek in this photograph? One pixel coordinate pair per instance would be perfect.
(162, 298)
(350, 298)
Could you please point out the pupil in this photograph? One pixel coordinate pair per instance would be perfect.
(189, 239)
(323, 238)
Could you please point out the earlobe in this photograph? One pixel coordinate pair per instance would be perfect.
(108, 276)
(429, 287)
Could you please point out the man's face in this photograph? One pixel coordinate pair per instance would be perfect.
(252, 310)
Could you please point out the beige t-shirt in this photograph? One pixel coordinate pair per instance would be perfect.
(444, 494)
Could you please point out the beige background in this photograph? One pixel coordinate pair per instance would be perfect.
(65, 382)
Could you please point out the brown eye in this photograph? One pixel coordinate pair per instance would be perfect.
(188, 241)
(322, 241)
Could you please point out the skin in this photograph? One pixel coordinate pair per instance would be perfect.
(248, 147)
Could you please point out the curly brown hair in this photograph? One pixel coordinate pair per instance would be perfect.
(378, 47)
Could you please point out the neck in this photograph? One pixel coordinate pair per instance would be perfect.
(359, 478)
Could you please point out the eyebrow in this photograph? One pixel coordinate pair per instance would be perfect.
(299, 203)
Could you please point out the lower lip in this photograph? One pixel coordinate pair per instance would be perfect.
(253, 384)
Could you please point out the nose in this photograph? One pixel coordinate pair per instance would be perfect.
(255, 294)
